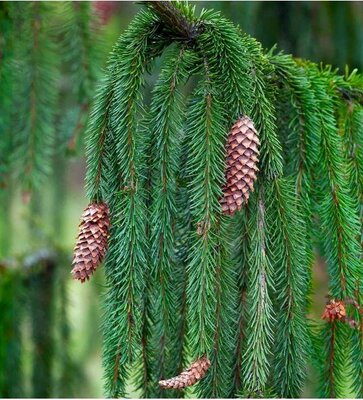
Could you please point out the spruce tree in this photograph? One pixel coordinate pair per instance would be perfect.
(189, 286)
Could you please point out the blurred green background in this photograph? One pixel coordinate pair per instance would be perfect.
(50, 334)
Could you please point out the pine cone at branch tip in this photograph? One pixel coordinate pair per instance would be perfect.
(92, 239)
(242, 158)
(189, 377)
(334, 310)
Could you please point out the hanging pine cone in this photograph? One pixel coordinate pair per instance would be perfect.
(334, 310)
(92, 241)
(188, 377)
(242, 159)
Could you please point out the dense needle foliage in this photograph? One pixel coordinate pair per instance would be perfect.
(185, 280)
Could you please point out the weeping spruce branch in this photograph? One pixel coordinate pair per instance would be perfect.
(339, 218)
(290, 263)
(166, 120)
(339, 221)
(36, 86)
(186, 281)
(127, 206)
(259, 332)
(208, 267)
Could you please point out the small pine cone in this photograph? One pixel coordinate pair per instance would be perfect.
(92, 241)
(334, 310)
(188, 377)
(242, 159)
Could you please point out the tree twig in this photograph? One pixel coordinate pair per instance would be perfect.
(174, 20)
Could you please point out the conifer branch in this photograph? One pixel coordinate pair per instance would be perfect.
(167, 227)
(210, 308)
(202, 262)
(357, 343)
(208, 259)
(145, 378)
(300, 136)
(259, 332)
(98, 124)
(263, 109)
(37, 78)
(126, 262)
(351, 123)
(79, 39)
(183, 228)
(175, 20)
(96, 138)
(335, 380)
(82, 43)
(287, 230)
(340, 224)
(165, 125)
(228, 63)
(302, 140)
(240, 259)
(219, 381)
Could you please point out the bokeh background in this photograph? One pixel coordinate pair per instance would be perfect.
(50, 325)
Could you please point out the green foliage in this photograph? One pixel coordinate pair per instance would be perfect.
(301, 133)
(10, 345)
(290, 262)
(166, 120)
(263, 109)
(36, 77)
(80, 44)
(33, 109)
(334, 379)
(34, 73)
(120, 96)
(41, 286)
(336, 206)
(78, 32)
(328, 31)
(259, 331)
(209, 268)
(6, 86)
(183, 279)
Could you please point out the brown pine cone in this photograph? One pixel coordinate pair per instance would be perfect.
(334, 310)
(92, 241)
(188, 377)
(242, 159)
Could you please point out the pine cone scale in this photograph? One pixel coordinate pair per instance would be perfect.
(242, 159)
(188, 377)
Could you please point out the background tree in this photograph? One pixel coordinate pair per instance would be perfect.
(44, 104)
